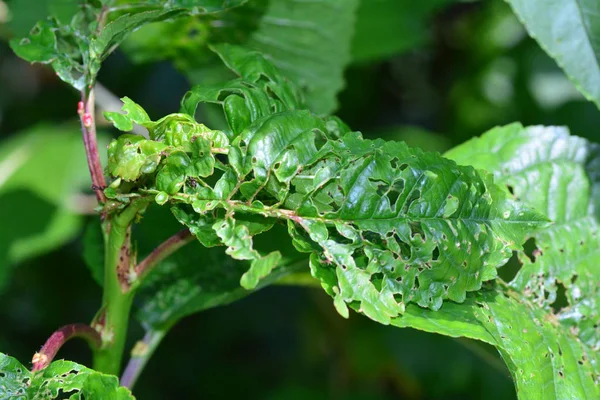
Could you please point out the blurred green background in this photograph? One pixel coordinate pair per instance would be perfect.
(432, 74)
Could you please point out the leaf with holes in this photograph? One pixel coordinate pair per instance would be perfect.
(388, 225)
(559, 175)
(260, 90)
(60, 377)
(543, 357)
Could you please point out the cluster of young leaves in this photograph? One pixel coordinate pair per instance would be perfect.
(58, 380)
(75, 48)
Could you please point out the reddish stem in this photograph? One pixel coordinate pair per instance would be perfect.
(45, 356)
(164, 250)
(90, 142)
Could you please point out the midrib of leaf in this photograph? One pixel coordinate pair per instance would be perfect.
(282, 213)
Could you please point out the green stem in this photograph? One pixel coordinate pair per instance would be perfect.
(113, 319)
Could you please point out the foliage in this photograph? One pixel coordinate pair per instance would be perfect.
(573, 41)
(59, 378)
(407, 237)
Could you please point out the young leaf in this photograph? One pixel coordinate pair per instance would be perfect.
(557, 174)
(568, 31)
(60, 377)
(260, 91)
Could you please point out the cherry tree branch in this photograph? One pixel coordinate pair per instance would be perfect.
(86, 111)
(45, 356)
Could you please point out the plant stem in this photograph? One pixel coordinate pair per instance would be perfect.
(140, 355)
(113, 319)
(45, 356)
(164, 250)
(90, 142)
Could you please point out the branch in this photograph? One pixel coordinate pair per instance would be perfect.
(86, 111)
(164, 250)
(45, 356)
(141, 353)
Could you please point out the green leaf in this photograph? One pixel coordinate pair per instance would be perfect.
(385, 28)
(568, 30)
(310, 43)
(39, 46)
(545, 360)
(388, 225)
(260, 91)
(60, 377)
(557, 174)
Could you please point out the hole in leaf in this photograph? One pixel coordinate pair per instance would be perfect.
(561, 298)
(531, 250)
(435, 255)
(405, 250)
(416, 229)
(511, 190)
(377, 279)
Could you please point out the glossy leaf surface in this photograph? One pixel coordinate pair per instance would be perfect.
(58, 379)
(559, 175)
(569, 31)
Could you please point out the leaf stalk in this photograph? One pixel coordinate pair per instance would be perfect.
(44, 357)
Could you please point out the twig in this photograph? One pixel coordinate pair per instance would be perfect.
(45, 356)
(88, 129)
(140, 355)
(164, 250)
